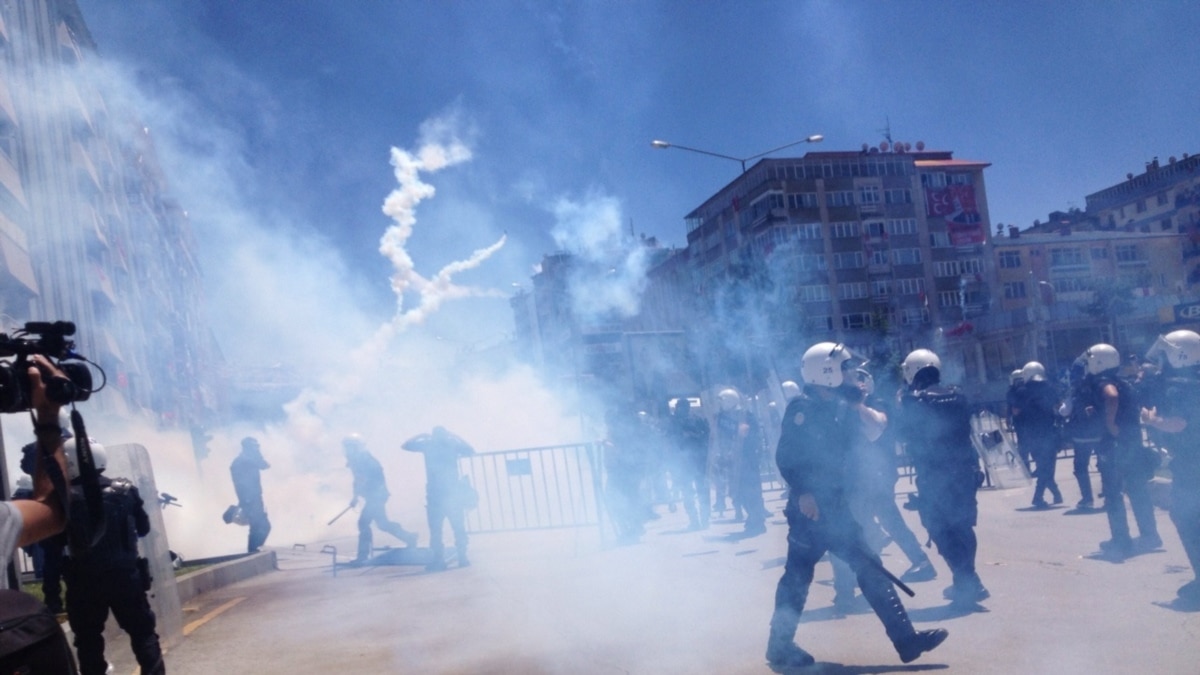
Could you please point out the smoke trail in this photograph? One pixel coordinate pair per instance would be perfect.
(440, 148)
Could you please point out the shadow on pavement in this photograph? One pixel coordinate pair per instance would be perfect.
(826, 668)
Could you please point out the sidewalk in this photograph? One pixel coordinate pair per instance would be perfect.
(698, 602)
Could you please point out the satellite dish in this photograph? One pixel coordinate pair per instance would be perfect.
(920, 145)
(883, 146)
(908, 147)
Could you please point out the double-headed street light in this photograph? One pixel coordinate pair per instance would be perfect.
(663, 145)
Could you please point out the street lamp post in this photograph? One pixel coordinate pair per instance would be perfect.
(663, 145)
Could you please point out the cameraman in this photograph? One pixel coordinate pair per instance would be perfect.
(25, 521)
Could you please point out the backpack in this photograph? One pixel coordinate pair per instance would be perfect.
(31, 641)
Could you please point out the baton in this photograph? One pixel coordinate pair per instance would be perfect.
(877, 564)
(352, 506)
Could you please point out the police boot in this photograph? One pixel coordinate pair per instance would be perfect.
(364, 549)
(920, 642)
(880, 593)
(782, 651)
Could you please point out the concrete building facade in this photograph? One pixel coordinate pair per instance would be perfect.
(88, 230)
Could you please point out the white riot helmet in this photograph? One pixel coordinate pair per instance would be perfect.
(730, 399)
(917, 360)
(1033, 372)
(71, 451)
(790, 390)
(822, 364)
(1100, 357)
(1015, 377)
(1180, 348)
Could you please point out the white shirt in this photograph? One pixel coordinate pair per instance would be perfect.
(11, 524)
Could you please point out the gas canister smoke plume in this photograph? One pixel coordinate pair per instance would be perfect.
(440, 148)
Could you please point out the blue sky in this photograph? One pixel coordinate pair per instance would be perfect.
(298, 103)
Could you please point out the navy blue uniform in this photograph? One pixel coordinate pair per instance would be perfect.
(1034, 420)
(935, 425)
(109, 577)
(247, 484)
(1084, 427)
(1178, 395)
(1126, 469)
(814, 448)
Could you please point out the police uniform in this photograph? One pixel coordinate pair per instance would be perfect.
(814, 447)
(1084, 426)
(1034, 421)
(246, 472)
(1125, 467)
(1178, 395)
(109, 577)
(934, 422)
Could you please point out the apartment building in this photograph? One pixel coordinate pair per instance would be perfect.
(886, 248)
(88, 230)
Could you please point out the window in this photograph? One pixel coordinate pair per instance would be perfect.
(1126, 253)
(958, 179)
(844, 230)
(809, 231)
(1014, 290)
(1161, 198)
(1165, 224)
(855, 320)
(1060, 257)
(1010, 260)
(853, 291)
(946, 268)
(813, 262)
(879, 258)
(1141, 206)
(971, 266)
(906, 256)
(1099, 253)
(933, 180)
(875, 228)
(820, 322)
(948, 298)
(881, 287)
(813, 293)
(1071, 285)
(914, 286)
(902, 226)
(848, 261)
(939, 239)
(898, 196)
(839, 198)
(868, 194)
(914, 315)
(803, 200)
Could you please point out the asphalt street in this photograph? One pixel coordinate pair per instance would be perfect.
(683, 601)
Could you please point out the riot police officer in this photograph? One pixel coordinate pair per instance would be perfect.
(247, 483)
(370, 485)
(1123, 457)
(1175, 410)
(111, 576)
(1035, 415)
(818, 430)
(934, 423)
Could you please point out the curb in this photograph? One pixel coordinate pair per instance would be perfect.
(223, 574)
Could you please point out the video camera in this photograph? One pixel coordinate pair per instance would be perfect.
(50, 339)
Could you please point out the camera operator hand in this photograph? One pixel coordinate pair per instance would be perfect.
(43, 514)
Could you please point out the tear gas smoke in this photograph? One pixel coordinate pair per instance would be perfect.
(612, 273)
